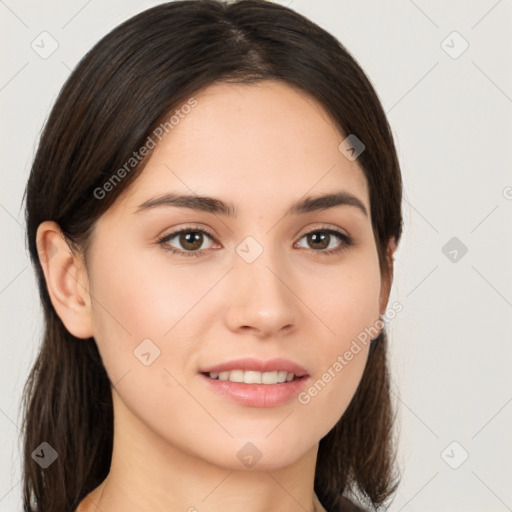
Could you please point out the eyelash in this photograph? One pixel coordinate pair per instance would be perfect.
(345, 239)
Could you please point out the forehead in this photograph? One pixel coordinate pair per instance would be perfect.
(253, 144)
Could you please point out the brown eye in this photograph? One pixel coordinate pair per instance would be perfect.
(324, 241)
(318, 240)
(191, 240)
(187, 242)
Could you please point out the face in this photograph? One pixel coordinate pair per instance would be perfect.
(252, 279)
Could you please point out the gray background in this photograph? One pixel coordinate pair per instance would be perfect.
(451, 115)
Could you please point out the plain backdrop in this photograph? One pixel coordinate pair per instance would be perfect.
(442, 70)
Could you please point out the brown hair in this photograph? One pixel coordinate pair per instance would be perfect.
(115, 98)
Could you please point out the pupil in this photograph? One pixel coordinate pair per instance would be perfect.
(319, 237)
(190, 240)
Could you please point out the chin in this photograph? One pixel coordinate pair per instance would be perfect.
(257, 453)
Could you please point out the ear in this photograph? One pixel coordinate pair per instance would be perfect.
(66, 279)
(387, 279)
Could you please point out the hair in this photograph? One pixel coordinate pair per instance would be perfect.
(115, 98)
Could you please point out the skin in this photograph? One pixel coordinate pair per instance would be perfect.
(262, 147)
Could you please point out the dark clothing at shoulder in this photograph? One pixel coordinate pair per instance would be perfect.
(342, 504)
(348, 506)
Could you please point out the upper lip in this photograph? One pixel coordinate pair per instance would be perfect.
(258, 365)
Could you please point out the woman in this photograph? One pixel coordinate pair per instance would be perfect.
(212, 214)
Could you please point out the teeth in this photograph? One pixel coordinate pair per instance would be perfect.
(281, 376)
(254, 377)
(250, 377)
(270, 377)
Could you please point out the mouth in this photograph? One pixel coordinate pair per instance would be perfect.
(254, 382)
(256, 389)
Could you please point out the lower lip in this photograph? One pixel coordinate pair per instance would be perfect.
(258, 395)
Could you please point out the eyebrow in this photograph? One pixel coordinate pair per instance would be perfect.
(218, 207)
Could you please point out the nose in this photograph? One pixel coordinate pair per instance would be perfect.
(261, 298)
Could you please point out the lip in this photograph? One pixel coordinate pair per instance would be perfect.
(259, 365)
(258, 395)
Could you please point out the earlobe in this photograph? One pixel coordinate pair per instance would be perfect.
(66, 279)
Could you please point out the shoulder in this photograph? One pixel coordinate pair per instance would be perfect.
(83, 507)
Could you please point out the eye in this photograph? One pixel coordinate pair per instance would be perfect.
(323, 241)
(191, 240)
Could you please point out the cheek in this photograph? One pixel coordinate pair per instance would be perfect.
(346, 301)
(139, 294)
(345, 298)
(149, 312)
(133, 300)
